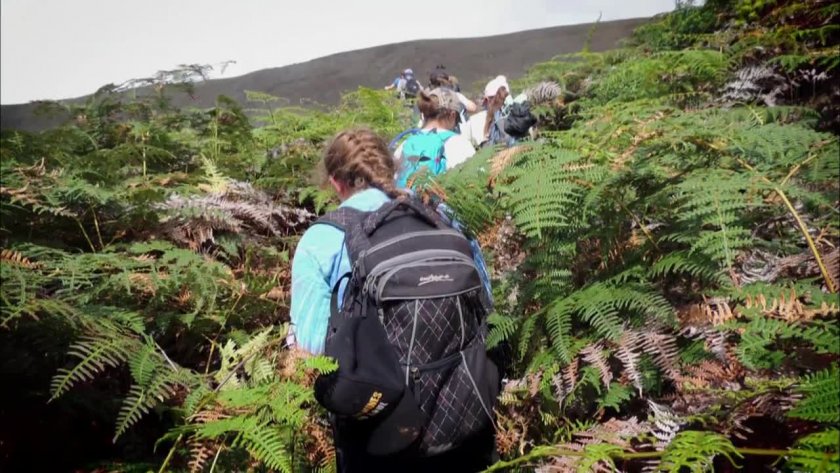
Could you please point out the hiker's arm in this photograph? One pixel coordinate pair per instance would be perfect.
(468, 104)
(311, 291)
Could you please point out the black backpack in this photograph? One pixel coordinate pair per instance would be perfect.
(412, 87)
(519, 119)
(416, 276)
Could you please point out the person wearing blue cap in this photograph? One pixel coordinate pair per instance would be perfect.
(406, 84)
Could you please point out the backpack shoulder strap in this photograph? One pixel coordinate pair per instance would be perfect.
(408, 203)
(443, 136)
(394, 143)
(446, 134)
(350, 221)
(341, 218)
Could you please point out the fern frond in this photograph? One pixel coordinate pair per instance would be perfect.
(821, 401)
(95, 355)
(695, 451)
(663, 349)
(143, 398)
(144, 363)
(666, 423)
(816, 452)
(16, 258)
(615, 395)
(200, 452)
(264, 443)
(594, 355)
(559, 322)
(598, 457)
(627, 346)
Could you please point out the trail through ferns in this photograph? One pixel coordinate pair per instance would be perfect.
(665, 261)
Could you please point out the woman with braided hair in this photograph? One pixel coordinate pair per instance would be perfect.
(360, 168)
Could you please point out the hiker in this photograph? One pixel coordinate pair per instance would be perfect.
(475, 130)
(406, 84)
(439, 78)
(505, 120)
(433, 147)
(453, 81)
(418, 400)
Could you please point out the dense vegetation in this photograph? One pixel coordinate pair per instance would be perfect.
(665, 261)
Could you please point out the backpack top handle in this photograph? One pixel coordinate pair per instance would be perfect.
(373, 221)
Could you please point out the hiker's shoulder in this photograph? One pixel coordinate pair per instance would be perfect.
(459, 141)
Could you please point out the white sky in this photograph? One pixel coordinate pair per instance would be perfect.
(53, 49)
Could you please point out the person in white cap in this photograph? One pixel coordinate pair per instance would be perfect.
(476, 129)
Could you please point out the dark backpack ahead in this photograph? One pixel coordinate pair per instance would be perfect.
(519, 120)
(412, 87)
(417, 277)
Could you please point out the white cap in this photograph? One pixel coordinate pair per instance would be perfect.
(494, 85)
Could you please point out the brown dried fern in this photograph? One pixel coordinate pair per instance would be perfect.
(16, 258)
(501, 160)
(663, 349)
(627, 346)
(570, 375)
(200, 452)
(594, 355)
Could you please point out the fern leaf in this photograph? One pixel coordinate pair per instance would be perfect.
(663, 349)
(144, 363)
(816, 452)
(594, 355)
(695, 451)
(95, 354)
(502, 328)
(598, 456)
(559, 321)
(200, 452)
(141, 399)
(821, 401)
(628, 344)
(615, 396)
(265, 444)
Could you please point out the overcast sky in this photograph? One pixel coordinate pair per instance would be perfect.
(52, 49)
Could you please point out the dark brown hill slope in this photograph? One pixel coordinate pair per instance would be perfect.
(323, 80)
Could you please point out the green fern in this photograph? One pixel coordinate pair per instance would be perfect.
(711, 206)
(615, 396)
(695, 451)
(95, 354)
(821, 401)
(502, 328)
(559, 322)
(597, 456)
(817, 452)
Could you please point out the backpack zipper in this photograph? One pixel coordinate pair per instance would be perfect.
(406, 236)
(411, 343)
(415, 257)
(383, 280)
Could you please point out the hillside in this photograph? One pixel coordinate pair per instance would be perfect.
(325, 79)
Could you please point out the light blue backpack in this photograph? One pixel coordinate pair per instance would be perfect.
(423, 154)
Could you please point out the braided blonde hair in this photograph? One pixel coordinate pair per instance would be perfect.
(361, 159)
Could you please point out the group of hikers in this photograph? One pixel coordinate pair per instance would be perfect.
(390, 286)
(501, 118)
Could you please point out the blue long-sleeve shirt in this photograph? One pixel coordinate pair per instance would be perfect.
(320, 260)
